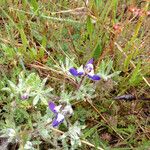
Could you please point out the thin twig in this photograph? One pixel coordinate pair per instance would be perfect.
(69, 10)
(55, 71)
(81, 81)
(49, 17)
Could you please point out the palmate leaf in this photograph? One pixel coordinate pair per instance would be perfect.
(44, 133)
(12, 85)
(21, 81)
(43, 83)
(86, 90)
(44, 101)
(40, 93)
(36, 99)
(112, 75)
(106, 69)
(6, 89)
(74, 133)
(33, 80)
(13, 89)
(67, 65)
(66, 97)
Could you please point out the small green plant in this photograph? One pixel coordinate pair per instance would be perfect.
(32, 86)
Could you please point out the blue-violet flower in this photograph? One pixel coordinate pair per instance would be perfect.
(88, 70)
(59, 113)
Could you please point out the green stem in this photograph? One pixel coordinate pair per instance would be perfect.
(80, 83)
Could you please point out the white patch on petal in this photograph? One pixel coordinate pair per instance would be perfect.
(91, 73)
(89, 69)
(60, 117)
(57, 108)
(90, 66)
(80, 69)
(67, 110)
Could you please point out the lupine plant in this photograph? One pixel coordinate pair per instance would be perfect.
(29, 90)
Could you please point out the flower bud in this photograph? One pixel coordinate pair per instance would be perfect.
(25, 96)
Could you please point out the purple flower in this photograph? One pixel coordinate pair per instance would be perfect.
(59, 113)
(88, 70)
(55, 109)
(25, 96)
(59, 118)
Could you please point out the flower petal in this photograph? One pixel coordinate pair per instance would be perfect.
(55, 123)
(52, 107)
(91, 73)
(89, 68)
(58, 120)
(57, 108)
(67, 110)
(73, 71)
(80, 70)
(90, 61)
(94, 77)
